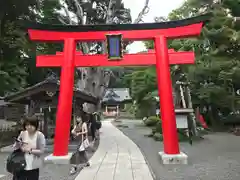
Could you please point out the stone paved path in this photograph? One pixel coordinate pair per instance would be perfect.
(117, 158)
(215, 158)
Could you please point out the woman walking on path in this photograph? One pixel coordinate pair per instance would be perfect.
(96, 122)
(32, 143)
(80, 157)
(92, 122)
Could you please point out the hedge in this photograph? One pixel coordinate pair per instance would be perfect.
(152, 121)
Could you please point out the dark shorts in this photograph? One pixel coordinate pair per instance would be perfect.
(26, 175)
(79, 157)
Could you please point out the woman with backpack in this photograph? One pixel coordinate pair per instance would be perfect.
(32, 143)
(92, 126)
(80, 131)
(98, 124)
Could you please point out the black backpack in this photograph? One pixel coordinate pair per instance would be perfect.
(98, 125)
(98, 122)
(16, 161)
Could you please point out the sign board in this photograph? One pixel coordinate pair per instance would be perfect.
(114, 47)
(182, 122)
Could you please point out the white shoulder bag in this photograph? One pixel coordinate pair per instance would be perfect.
(85, 143)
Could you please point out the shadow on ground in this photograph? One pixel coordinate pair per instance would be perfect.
(214, 158)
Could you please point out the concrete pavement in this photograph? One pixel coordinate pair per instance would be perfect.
(117, 158)
(214, 158)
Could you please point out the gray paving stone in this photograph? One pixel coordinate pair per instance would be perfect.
(115, 152)
(2, 175)
(214, 158)
(106, 172)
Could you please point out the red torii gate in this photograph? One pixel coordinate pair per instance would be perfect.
(141, 59)
(162, 57)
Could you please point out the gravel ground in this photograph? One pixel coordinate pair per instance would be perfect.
(50, 171)
(214, 158)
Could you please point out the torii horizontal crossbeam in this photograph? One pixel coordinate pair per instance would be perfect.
(141, 59)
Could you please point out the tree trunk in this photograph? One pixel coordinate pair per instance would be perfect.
(96, 80)
(214, 118)
(192, 115)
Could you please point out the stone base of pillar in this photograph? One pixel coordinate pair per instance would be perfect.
(51, 159)
(181, 158)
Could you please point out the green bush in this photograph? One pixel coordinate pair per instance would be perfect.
(158, 137)
(129, 108)
(143, 109)
(182, 137)
(156, 134)
(152, 121)
(159, 127)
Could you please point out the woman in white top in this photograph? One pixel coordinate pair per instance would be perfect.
(80, 157)
(32, 142)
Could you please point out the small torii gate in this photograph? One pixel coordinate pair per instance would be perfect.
(113, 35)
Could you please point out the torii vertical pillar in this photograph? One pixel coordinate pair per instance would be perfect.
(171, 153)
(64, 110)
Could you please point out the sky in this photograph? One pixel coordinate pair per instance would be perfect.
(157, 8)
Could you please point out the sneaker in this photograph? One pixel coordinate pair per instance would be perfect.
(87, 164)
(73, 170)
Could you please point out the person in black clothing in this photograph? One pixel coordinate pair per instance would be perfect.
(93, 126)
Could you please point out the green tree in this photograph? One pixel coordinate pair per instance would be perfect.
(18, 53)
(214, 77)
(142, 82)
(47, 13)
(12, 65)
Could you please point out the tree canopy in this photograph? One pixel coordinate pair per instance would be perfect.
(214, 77)
(17, 53)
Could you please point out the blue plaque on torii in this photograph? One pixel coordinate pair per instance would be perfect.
(114, 46)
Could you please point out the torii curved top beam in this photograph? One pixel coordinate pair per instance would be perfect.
(171, 29)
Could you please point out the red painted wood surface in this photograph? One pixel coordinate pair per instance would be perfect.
(141, 59)
(162, 58)
(137, 35)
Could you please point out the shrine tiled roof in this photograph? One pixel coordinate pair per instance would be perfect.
(44, 86)
(117, 95)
